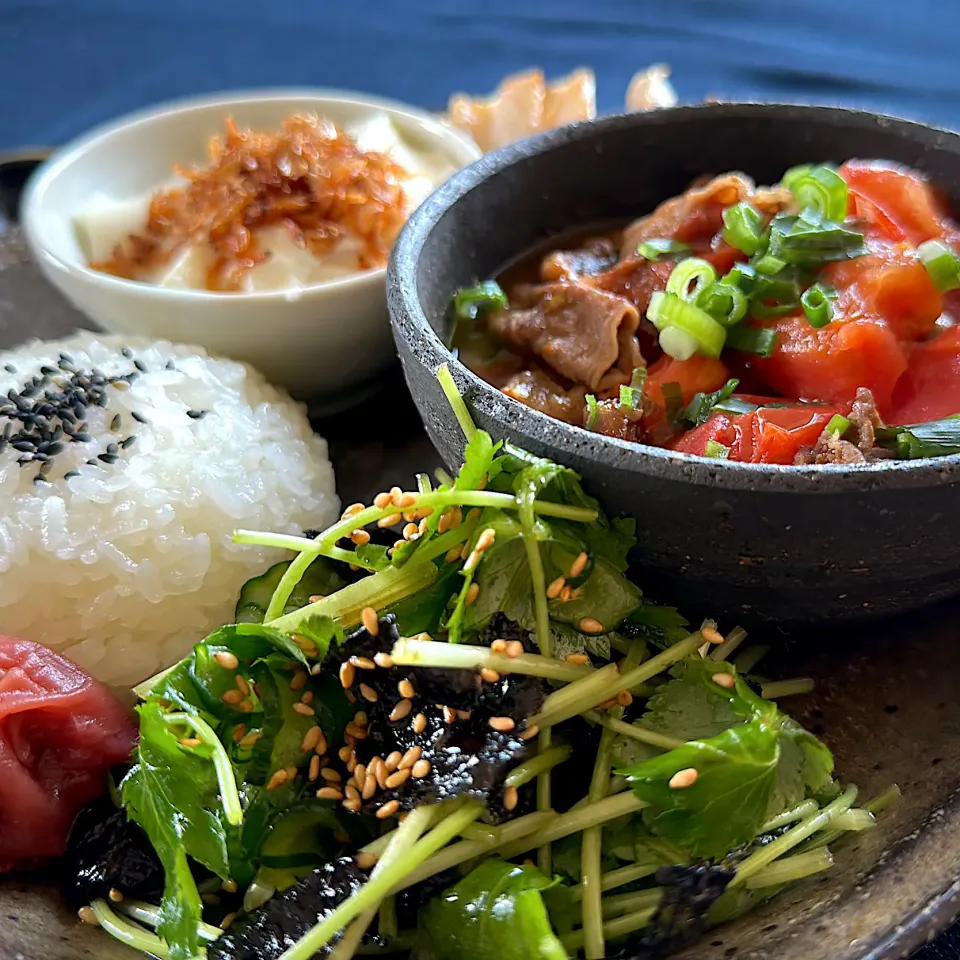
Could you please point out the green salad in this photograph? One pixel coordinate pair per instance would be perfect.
(453, 726)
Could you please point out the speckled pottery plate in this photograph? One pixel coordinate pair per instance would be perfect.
(885, 703)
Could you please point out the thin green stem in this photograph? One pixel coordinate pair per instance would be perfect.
(612, 929)
(806, 828)
(574, 821)
(634, 731)
(629, 903)
(456, 401)
(131, 934)
(411, 651)
(149, 915)
(619, 877)
(226, 778)
(789, 869)
(750, 658)
(591, 868)
(286, 541)
(376, 888)
(786, 688)
(545, 760)
(882, 801)
(403, 839)
(799, 812)
(732, 640)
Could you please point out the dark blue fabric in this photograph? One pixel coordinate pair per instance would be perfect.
(68, 64)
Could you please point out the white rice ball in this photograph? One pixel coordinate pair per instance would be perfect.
(123, 565)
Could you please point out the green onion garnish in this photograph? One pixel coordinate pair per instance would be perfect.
(628, 398)
(939, 438)
(662, 249)
(468, 302)
(716, 450)
(817, 302)
(818, 187)
(752, 340)
(743, 227)
(631, 396)
(724, 301)
(685, 329)
(810, 240)
(690, 277)
(593, 410)
(743, 275)
(673, 399)
(769, 264)
(701, 407)
(735, 405)
(838, 425)
(942, 264)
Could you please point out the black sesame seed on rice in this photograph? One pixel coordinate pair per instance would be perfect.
(197, 414)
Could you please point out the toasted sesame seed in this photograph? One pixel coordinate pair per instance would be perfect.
(390, 520)
(329, 793)
(358, 732)
(624, 698)
(406, 689)
(423, 526)
(452, 554)
(401, 710)
(502, 724)
(724, 680)
(352, 511)
(347, 674)
(368, 693)
(510, 798)
(371, 622)
(411, 757)
(229, 885)
(683, 778)
(232, 697)
(278, 779)
(366, 861)
(299, 680)
(226, 659)
(344, 753)
(419, 723)
(316, 669)
(388, 809)
(488, 675)
(485, 540)
(227, 920)
(317, 597)
(553, 591)
(360, 537)
(410, 516)
(420, 769)
(566, 594)
(711, 635)
(360, 718)
(395, 494)
(530, 732)
(115, 895)
(473, 591)
(249, 741)
(210, 898)
(352, 763)
(589, 625)
(190, 742)
(352, 792)
(577, 658)
(321, 748)
(383, 660)
(369, 786)
(363, 663)
(239, 732)
(307, 697)
(410, 531)
(393, 760)
(498, 646)
(310, 739)
(304, 710)
(514, 649)
(314, 768)
(305, 644)
(242, 685)
(352, 805)
(406, 500)
(291, 772)
(87, 915)
(331, 775)
(579, 565)
(360, 772)
(245, 706)
(449, 714)
(381, 772)
(398, 779)
(382, 500)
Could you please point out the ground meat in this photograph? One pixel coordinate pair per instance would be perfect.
(829, 448)
(614, 420)
(865, 419)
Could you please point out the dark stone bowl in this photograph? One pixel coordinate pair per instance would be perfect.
(754, 541)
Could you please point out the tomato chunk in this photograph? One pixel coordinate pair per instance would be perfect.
(767, 435)
(930, 389)
(830, 363)
(894, 202)
(60, 732)
(696, 375)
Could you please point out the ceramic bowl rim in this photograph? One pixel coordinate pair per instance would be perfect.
(453, 142)
(410, 321)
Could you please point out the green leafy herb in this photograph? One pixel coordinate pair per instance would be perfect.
(496, 912)
(760, 342)
(938, 438)
(716, 451)
(320, 578)
(700, 408)
(468, 302)
(658, 249)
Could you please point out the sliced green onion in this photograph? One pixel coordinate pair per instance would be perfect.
(735, 405)
(689, 277)
(752, 340)
(468, 302)
(593, 410)
(817, 302)
(662, 249)
(942, 264)
(809, 240)
(743, 227)
(743, 275)
(819, 187)
(769, 264)
(631, 397)
(939, 438)
(678, 343)
(670, 312)
(716, 451)
(724, 301)
(838, 424)
(700, 408)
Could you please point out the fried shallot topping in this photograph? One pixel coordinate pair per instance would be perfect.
(311, 178)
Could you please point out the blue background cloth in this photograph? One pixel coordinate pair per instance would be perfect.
(66, 65)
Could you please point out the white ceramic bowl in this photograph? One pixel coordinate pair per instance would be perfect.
(317, 341)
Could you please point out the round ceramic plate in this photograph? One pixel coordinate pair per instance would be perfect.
(885, 703)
